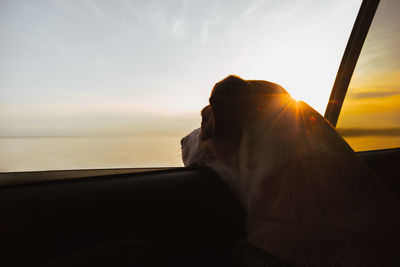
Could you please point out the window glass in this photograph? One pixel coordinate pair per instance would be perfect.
(107, 84)
(370, 116)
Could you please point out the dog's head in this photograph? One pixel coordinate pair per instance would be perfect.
(234, 106)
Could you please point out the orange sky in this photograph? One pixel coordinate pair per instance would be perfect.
(372, 104)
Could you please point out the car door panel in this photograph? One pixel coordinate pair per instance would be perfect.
(189, 213)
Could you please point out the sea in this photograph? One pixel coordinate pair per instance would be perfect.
(19, 154)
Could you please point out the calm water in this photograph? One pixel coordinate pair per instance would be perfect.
(35, 154)
(365, 143)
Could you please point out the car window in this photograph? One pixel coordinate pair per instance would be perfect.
(116, 84)
(370, 115)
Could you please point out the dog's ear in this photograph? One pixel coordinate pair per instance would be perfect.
(228, 103)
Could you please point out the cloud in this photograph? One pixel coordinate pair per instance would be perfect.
(205, 36)
(360, 132)
(253, 7)
(94, 7)
(171, 24)
(373, 94)
(178, 27)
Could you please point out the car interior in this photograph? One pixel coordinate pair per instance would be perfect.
(172, 216)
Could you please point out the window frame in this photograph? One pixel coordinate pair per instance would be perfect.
(350, 58)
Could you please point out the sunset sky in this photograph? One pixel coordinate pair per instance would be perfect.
(147, 67)
(371, 111)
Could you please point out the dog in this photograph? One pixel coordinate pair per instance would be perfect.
(309, 199)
